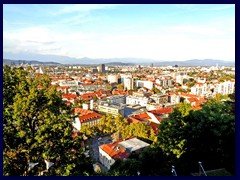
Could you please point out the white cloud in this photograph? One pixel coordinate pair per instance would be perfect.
(81, 8)
(168, 43)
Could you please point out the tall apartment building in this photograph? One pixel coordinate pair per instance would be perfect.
(101, 68)
(128, 83)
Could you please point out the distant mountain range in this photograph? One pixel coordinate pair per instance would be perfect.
(53, 59)
(17, 62)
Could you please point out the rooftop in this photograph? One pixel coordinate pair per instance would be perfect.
(133, 144)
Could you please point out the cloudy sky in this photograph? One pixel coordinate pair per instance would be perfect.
(160, 32)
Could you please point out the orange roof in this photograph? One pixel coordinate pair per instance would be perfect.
(62, 87)
(192, 99)
(118, 92)
(162, 111)
(133, 120)
(69, 96)
(86, 115)
(89, 117)
(111, 150)
(81, 111)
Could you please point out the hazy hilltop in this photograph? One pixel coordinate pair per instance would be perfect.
(53, 59)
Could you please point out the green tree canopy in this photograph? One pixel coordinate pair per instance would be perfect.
(38, 127)
(206, 135)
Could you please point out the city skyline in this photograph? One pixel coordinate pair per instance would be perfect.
(159, 32)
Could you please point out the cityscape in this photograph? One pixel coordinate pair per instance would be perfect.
(160, 112)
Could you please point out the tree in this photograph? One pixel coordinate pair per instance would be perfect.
(37, 127)
(206, 135)
(139, 130)
(171, 138)
(120, 86)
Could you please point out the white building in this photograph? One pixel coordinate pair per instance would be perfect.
(128, 83)
(173, 98)
(146, 84)
(200, 89)
(181, 77)
(124, 76)
(111, 109)
(224, 88)
(68, 83)
(134, 100)
(112, 78)
(117, 99)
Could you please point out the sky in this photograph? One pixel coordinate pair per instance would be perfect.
(159, 31)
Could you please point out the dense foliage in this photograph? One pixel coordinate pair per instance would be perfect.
(206, 135)
(37, 127)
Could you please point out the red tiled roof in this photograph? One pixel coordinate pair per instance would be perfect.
(111, 150)
(142, 116)
(133, 120)
(89, 117)
(62, 87)
(81, 111)
(86, 115)
(88, 96)
(69, 96)
(162, 111)
(118, 92)
(192, 99)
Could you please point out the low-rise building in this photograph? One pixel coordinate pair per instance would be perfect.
(117, 99)
(85, 117)
(109, 153)
(107, 108)
(134, 100)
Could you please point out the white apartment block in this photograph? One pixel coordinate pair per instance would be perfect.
(164, 82)
(224, 88)
(180, 77)
(128, 83)
(134, 100)
(146, 84)
(124, 76)
(112, 78)
(200, 89)
(173, 98)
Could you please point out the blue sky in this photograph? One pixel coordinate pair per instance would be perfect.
(160, 32)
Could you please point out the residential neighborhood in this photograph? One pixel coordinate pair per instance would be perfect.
(97, 98)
